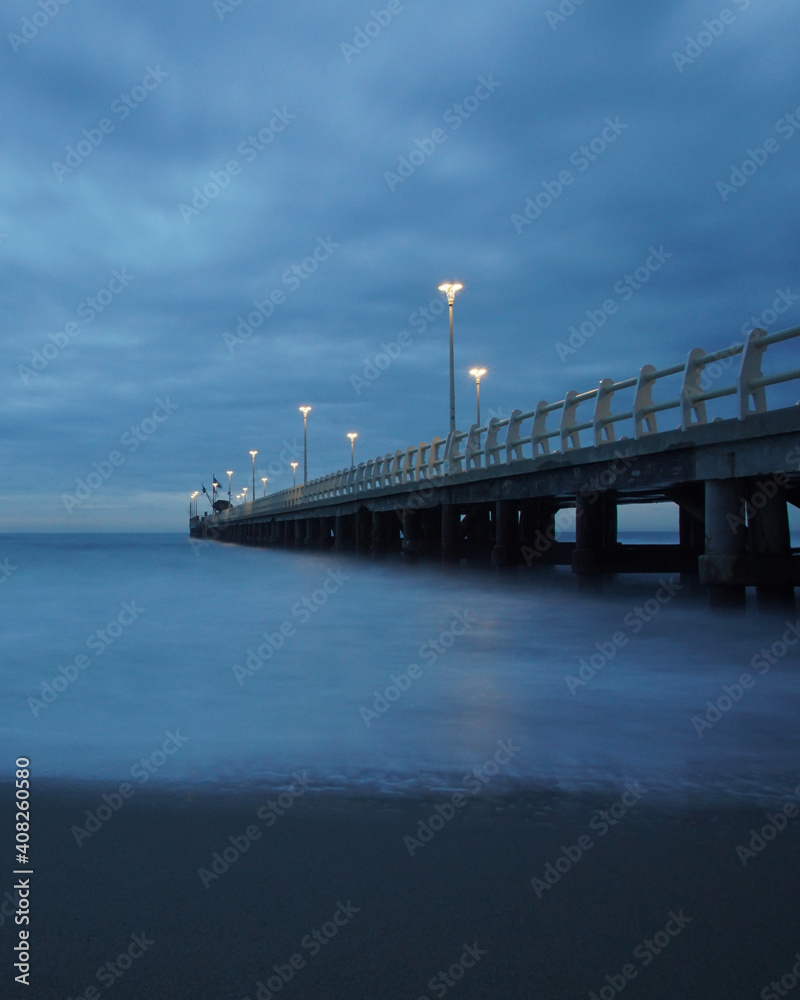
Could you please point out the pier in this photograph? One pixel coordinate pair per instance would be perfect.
(492, 492)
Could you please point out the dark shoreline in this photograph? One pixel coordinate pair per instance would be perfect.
(328, 856)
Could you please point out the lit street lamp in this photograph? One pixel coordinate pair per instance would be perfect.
(352, 435)
(305, 410)
(478, 372)
(264, 481)
(294, 472)
(229, 486)
(244, 494)
(253, 456)
(450, 291)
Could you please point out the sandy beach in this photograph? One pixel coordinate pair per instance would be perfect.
(191, 896)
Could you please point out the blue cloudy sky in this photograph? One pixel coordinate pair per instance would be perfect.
(169, 164)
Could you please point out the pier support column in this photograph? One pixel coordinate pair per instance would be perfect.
(451, 533)
(413, 539)
(281, 533)
(364, 530)
(537, 533)
(722, 566)
(344, 533)
(312, 532)
(325, 540)
(595, 527)
(385, 531)
(506, 524)
(691, 534)
(771, 545)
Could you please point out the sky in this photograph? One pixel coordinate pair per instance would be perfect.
(215, 212)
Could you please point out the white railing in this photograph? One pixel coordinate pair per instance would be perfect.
(528, 433)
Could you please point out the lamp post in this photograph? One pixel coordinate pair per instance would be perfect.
(264, 481)
(244, 494)
(477, 373)
(352, 435)
(294, 472)
(253, 456)
(229, 486)
(450, 290)
(305, 410)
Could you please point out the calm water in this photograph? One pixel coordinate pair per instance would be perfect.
(153, 633)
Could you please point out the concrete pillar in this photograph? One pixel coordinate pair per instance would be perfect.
(363, 530)
(722, 566)
(385, 531)
(413, 538)
(691, 530)
(506, 525)
(608, 503)
(770, 542)
(537, 533)
(593, 526)
(325, 540)
(344, 533)
(312, 532)
(280, 527)
(451, 532)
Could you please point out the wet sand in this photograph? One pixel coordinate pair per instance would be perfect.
(389, 924)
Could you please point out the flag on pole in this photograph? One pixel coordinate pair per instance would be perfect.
(215, 483)
(205, 490)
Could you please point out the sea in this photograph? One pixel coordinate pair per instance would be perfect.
(180, 663)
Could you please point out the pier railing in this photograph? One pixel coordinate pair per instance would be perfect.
(528, 433)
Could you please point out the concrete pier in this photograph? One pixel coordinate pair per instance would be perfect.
(730, 479)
